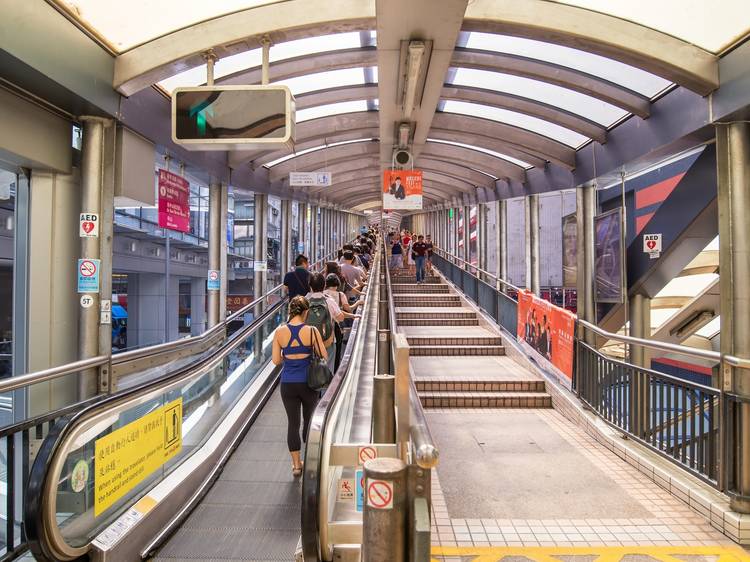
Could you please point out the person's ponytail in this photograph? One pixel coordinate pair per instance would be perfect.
(298, 306)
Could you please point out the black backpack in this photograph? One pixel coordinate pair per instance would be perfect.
(320, 317)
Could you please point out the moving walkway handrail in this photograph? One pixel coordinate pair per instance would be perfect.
(314, 522)
(42, 527)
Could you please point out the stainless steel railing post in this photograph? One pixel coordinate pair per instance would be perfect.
(383, 409)
(384, 523)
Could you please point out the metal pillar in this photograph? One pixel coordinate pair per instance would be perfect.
(467, 234)
(640, 327)
(260, 240)
(92, 184)
(214, 249)
(733, 168)
(314, 245)
(383, 412)
(304, 235)
(384, 528)
(286, 236)
(532, 243)
(501, 243)
(585, 212)
(482, 235)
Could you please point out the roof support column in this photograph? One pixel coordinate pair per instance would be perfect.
(640, 327)
(260, 243)
(501, 243)
(216, 195)
(304, 236)
(286, 236)
(314, 244)
(733, 163)
(482, 236)
(467, 235)
(532, 244)
(585, 211)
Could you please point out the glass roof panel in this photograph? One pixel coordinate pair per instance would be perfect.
(313, 149)
(574, 102)
(713, 26)
(515, 161)
(688, 285)
(331, 109)
(254, 58)
(661, 315)
(324, 80)
(628, 76)
(127, 24)
(711, 329)
(546, 128)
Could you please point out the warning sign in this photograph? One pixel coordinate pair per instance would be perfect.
(88, 225)
(380, 494)
(88, 275)
(367, 453)
(214, 280)
(130, 454)
(346, 489)
(652, 245)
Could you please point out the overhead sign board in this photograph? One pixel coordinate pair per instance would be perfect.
(174, 202)
(233, 117)
(402, 189)
(310, 179)
(652, 245)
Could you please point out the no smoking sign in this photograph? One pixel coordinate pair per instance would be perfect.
(380, 494)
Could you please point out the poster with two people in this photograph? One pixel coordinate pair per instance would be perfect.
(402, 189)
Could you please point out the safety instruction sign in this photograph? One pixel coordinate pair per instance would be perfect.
(316, 179)
(214, 280)
(346, 489)
(88, 225)
(359, 481)
(380, 494)
(652, 245)
(88, 275)
(129, 455)
(366, 453)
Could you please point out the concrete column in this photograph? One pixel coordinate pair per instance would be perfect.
(585, 212)
(532, 243)
(467, 233)
(501, 243)
(456, 237)
(286, 236)
(733, 167)
(482, 236)
(260, 231)
(304, 235)
(314, 246)
(214, 249)
(197, 306)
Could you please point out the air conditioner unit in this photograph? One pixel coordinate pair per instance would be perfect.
(402, 159)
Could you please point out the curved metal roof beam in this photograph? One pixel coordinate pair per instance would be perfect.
(348, 165)
(341, 136)
(605, 35)
(357, 198)
(526, 106)
(554, 74)
(343, 185)
(235, 33)
(431, 176)
(307, 64)
(474, 159)
(313, 160)
(543, 147)
(453, 168)
(500, 146)
(336, 95)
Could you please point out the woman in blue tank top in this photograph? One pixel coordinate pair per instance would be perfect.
(292, 349)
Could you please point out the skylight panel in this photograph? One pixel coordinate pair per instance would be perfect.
(324, 80)
(510, 159)
(711, 329)
(331, 109)
(688, 285)
(545, 128)
(619, 73)
(313, 149)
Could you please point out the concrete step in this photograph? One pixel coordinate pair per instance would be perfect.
(438, 322)
(399, 288)
(463, 386)
(439, 399)
(454, 350)
(421, 300)
(442, 315)
(454, 340)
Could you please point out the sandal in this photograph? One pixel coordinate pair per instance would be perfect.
(297, 472)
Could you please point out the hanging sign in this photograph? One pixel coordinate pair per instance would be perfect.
(260, 266)
(214, 280)
(174, 202)
(88, 225)
(310, 179)
(402, 189)
(88, 275)
(652, 245)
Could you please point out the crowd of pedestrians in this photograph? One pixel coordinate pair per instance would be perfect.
(321, 306)
(409, 249)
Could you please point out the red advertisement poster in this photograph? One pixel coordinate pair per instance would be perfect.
(547, 331)
(402, 189)
(174, 202)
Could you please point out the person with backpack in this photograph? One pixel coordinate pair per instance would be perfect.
(332, 291)
(323, 314)
(297, 282)
(293, 349)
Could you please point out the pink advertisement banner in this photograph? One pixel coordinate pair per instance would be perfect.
(174, 202)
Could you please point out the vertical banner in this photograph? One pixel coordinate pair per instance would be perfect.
(174, 202)
(402, 189)
(570, 251)
(608, 254)
(547, 331)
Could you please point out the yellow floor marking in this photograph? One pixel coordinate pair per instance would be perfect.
(605, 553)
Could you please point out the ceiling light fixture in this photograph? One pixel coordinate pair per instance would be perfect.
(413, 74)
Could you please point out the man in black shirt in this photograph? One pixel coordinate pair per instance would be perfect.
(297, 282)
(419, 248)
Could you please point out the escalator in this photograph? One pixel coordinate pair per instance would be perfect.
(190, 466)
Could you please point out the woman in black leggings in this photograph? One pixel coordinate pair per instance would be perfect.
(292, 349)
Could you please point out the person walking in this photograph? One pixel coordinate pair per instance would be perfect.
(396, 253)
(332, 291)
(420, 250)
(292, 349)
(430, 249)
(323, 315)
(297, 282)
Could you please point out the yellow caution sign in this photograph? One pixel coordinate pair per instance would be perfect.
(128, 455)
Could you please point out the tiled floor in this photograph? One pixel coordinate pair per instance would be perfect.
(671, 522)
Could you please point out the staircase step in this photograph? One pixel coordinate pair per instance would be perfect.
(399, 288)
(464, 386)
(436, 315)
(453, 341)
(422, 300)
(454, 350)
(438, 322)
(485, 400)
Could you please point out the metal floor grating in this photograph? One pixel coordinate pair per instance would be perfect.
(252, 512)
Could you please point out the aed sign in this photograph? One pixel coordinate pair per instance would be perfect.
(130, 454)
(652, 245)
(88, 225)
